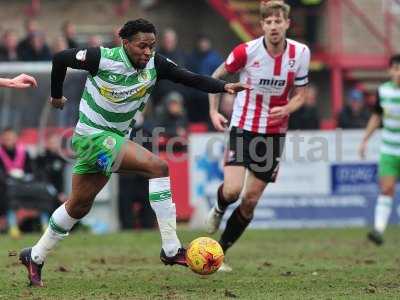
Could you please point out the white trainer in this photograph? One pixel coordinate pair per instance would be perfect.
(213, 220)
(225, 268)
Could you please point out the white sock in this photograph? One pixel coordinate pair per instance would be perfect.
(59, 225)
(161, 201)
(383, 209)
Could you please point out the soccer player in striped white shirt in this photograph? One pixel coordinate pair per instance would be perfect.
(276, 68)
(387, 108)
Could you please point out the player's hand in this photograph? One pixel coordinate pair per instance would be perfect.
(58, 102)
(218, 120)
(277, 113)
(233, 88)
(362, 149)
(23, 81)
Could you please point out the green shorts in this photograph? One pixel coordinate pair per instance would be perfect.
(96, 153)
(389, 165)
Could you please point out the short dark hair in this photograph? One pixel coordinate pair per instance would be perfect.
(394, 60)
(132, 27)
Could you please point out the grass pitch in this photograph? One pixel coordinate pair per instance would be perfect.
(275, 264)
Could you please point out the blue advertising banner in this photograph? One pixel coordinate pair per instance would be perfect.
(311, 211)
(355, 179)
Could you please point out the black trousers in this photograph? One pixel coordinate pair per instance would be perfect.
(134, 193)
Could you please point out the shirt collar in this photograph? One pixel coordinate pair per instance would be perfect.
(125, 57)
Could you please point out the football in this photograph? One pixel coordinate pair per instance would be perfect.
(204, 256)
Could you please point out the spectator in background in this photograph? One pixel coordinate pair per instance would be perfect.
(8, 48)
(169, 47)
(307, 117)
(59, 44)
(95, 41)
(52, 166)
(37, 49)
(31, 26)
(310, 15)
(15, 162)
(173, 117)
(115, 39)
(22, 190)
(370, 100)
(69, 33)
(147, 4)
(133, 205)
(354, 114)
(204, 60)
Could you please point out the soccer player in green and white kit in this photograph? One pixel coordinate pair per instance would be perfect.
(118, 86)
(387, 108)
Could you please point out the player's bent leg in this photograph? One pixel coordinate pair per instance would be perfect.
(243, 214)
(230, 190)
(253, 190)
(135, 158)
(227, 194)
(383, 209)
(84, 190)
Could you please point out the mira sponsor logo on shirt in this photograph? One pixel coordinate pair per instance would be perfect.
(272, 82)
(272, 86)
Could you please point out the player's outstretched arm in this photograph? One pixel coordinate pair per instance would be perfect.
(373, 124)
(22, 81)
(82, 59)
(167, 69)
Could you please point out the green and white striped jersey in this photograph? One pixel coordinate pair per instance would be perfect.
(113, 97)
(389, 102)
(115, 92)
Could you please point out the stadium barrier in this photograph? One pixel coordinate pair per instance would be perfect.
(321, 181)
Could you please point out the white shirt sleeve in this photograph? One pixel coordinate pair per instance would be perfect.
(302, 72)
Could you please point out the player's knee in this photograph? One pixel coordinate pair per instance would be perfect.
(161, 169)
(80, 209)
(247, 209)
(387, 187)
(231, 194)
(252, 196)
(388, 190)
